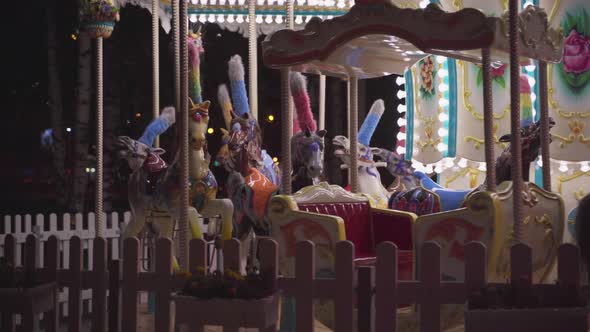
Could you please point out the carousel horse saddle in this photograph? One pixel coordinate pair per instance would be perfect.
(450, 199)
(154, 166)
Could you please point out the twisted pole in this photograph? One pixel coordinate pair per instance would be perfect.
(253, 58)
(353, 130)
(184, 194)
(286, 115)
(515, 142)
(488, 120)
(99, 138)
(322, 102)
(155, 64)
(176, 39)
(545, 135)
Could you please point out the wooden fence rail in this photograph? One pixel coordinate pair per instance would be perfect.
(388, 293)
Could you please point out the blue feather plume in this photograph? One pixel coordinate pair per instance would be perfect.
(238, 86)
(370, 124)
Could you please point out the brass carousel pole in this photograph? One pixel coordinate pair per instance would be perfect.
(286, 116)
(155, 64)
(488, 119)
(545, 135)
(515, 142)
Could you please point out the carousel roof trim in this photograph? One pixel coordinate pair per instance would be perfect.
(378, 39)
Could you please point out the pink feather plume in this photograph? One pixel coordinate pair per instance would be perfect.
(301, 100)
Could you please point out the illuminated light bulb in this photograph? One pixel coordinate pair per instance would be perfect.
(341, 4)
(92, 170)
(530, 68)
(298, 20)
(401, 94)
(308, 18)
(533, 97)
(400, 80)
(443, 73)
(260, 2)
(440, 59)
(449, 162)
(563, 167)
(300, 2)
(429, 169)
(259, 19)
(442, 132)
(213, 2)
(241, 2)
(69, 130)
(443, 102)
(443, 88)
(194, 18)
(441, 147)
(281, 2)
(407, 59)
(330, 17)
(424, 3)
(87, 170)
(138, 115)
(462, 163)
(268, 19)
(275, 159)
(194, 2)
(528, 3)
(240, 19)
(271, 118)
(438, 169)
(220, 18)
(279, 19)
(585, 167)
(482, 167)
(230, 19)
(222, 2)
(532, 81)
(211, 18)
(401, 108)
(202, 18)
(400, 150)
(540, 162)
(401, 122)
(401, 136)
(442, 117)
(232, 2)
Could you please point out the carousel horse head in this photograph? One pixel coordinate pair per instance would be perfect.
(242, 139)
(135, 152)
(365, 152)
(307, 144)
(198, 123)
(397, 165)
(307, 148)
(531, 147)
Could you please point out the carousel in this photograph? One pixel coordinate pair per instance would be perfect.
(467, 69)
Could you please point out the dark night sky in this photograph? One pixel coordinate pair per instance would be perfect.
(24, 91)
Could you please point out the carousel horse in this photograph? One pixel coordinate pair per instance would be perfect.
(419, 189)
(369, 179)
(155, 186)
(307, 144)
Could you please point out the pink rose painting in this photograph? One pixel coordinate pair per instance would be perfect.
(497, 75)
(574, 68)
(576, 53)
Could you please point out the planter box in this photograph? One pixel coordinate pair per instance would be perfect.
(38, 299)
(525, 320)
(260, 313)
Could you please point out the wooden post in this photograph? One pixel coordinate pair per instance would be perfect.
(430, 281)
(99, 289)
(51, 265)
(8, 323)
(75, 286)
(130, 274)
(344, 297)
(304, 279)
(386, 287)
(163, 314)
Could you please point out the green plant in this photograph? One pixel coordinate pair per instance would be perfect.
(521, 295)
(15, 277)
(228, 284)
(99, 10)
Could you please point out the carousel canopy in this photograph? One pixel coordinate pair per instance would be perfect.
(379, 39)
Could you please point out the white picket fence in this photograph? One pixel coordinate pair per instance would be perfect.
(65, 227)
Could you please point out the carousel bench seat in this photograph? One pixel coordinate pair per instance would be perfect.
(327, 214)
